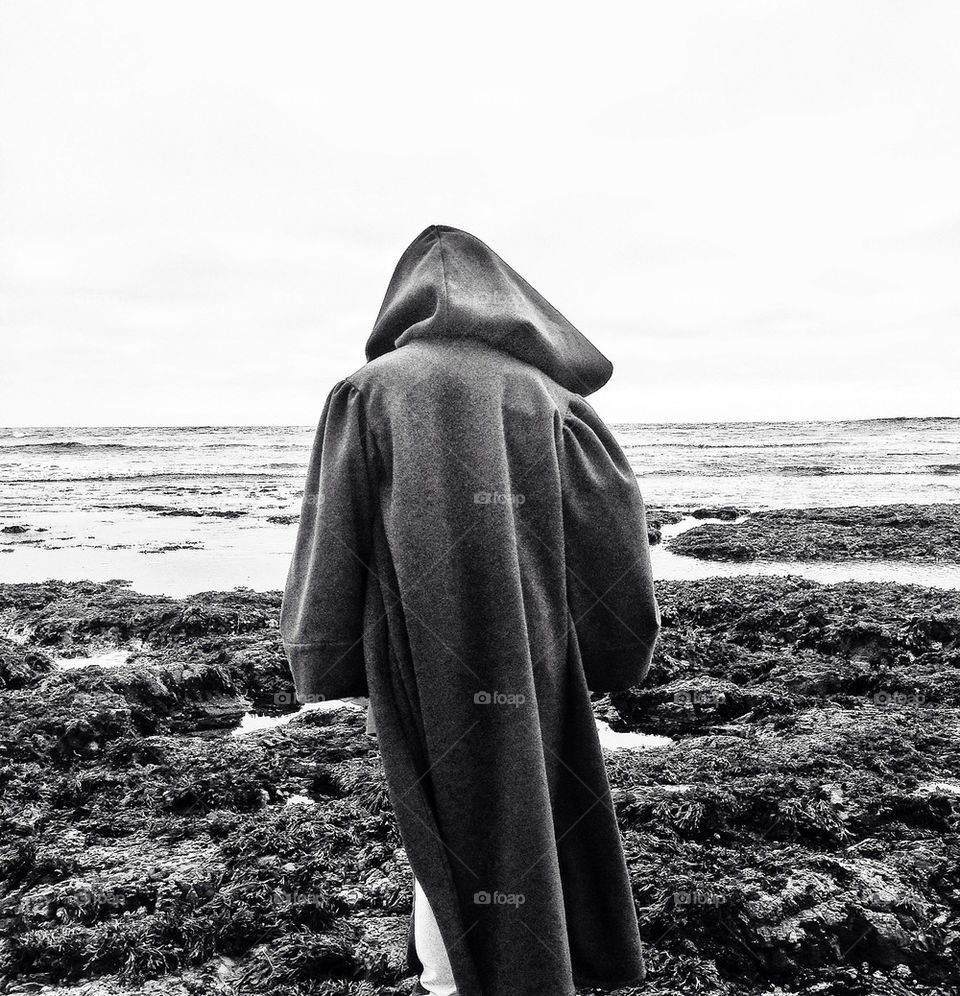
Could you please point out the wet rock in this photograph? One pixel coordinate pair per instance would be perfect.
(712, 541)
(381, 948)
(213, 513)
(725, 512)
(663, 516)
(172, 695)
(175, 511)
(801, 835)
(21, 666)
(171, 547)
(658, 517)
(81, 613)
(283, 520)
(902, 532)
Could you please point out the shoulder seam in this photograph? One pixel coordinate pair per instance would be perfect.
(443, 274)
(368, 439)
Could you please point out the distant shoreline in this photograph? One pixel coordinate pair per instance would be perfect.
(612, 424)
(184, 510)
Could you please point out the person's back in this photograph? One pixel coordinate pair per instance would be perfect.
(472, 553)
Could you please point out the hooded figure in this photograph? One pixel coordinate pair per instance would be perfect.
(472, 554)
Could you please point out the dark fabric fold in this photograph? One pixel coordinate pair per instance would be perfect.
(450, 284)
(473, 552)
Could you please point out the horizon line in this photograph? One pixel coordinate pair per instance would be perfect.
(291, 425)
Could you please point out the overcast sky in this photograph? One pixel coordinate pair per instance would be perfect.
(752, 208)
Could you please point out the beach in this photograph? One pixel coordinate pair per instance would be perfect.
(787, 781)
(181, 510)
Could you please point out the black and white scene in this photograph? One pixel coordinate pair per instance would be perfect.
(479, 498)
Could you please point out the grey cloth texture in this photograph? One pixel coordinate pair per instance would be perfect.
(472, 554)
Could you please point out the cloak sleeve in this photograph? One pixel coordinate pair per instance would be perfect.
(321, 616)
(610, 590)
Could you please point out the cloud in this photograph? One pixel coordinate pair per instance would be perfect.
(750, 207)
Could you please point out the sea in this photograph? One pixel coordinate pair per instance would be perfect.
(187, 509)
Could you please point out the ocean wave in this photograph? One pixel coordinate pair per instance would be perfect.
(925, 419)
(187, 475)
(256, 446)
(779, 424)
(819, 471)
(813, 471)
(728, 446)
(73, 445)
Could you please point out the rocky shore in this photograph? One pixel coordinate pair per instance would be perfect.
(800, 834)
(929, 533)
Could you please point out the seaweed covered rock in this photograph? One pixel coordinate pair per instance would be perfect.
(899, 532)
(801, 842)
(657, 518)
(753, 647)
(798, 833)
(82, 613)
(21, 666)
(725, 512)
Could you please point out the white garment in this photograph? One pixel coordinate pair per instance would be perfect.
(436, 976)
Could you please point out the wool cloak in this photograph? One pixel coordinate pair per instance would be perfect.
(472, 554)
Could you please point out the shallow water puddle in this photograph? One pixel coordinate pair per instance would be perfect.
(109, 658)
(611, 740)
(253, 722)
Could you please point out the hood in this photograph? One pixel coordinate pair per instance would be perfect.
(448, 284)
